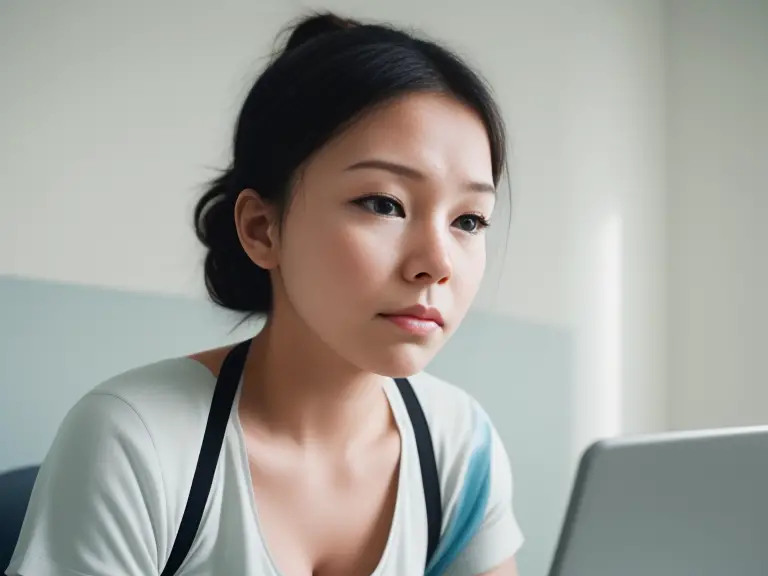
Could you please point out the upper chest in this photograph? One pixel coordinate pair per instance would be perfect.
(283, 516)
(325, 514)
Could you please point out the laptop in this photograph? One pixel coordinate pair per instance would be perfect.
(673, 504)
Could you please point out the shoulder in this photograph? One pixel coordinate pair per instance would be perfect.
(168, 393)
(144, 416)
(102, 488)
(166, 401)
(144, 425)
(175, 380)
(113, 466)
(152, 401)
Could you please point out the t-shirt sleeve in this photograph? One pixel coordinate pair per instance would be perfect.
(481, 526)
(97, 503)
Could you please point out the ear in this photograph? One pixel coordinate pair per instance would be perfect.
(257, 227)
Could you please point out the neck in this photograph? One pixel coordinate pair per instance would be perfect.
(296, 387)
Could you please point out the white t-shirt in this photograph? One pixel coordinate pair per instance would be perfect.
(111, 492)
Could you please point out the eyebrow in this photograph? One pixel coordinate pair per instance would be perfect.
(412, 173)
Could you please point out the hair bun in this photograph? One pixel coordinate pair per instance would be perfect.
(317, 25)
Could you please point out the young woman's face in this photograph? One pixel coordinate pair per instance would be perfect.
(387, 223)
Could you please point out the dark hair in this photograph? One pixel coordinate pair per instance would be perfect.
(330, 73)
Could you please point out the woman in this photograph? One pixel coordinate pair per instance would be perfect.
(352, 217)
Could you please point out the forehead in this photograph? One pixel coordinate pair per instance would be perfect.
(434, 133)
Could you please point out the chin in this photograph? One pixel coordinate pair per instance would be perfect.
(400, 361)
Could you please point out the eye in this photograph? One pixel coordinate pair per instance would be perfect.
(382, 205)
(471, 223)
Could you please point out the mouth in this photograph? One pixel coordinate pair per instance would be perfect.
(417, 320)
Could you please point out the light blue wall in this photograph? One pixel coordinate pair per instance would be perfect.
(58, 341)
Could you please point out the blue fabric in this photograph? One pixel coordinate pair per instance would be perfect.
(15, 490)
(472, 503)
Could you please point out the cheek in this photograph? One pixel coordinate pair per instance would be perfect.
(332, 268)
(469, 268)
(357, 258)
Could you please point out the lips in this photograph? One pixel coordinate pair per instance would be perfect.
(412, 325)
(418, 313)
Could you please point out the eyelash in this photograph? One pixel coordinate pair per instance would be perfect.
(482, 222)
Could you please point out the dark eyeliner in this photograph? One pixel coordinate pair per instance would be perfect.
(361, 202)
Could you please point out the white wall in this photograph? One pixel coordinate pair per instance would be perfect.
(613, 132)
(718, 201)
(119, 109)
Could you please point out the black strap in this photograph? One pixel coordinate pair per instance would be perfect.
(213, 438)
(218, 417)
(429, 478)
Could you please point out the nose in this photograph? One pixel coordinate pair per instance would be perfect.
(429, 260)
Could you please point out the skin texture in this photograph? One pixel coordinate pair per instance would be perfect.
(319, 431)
